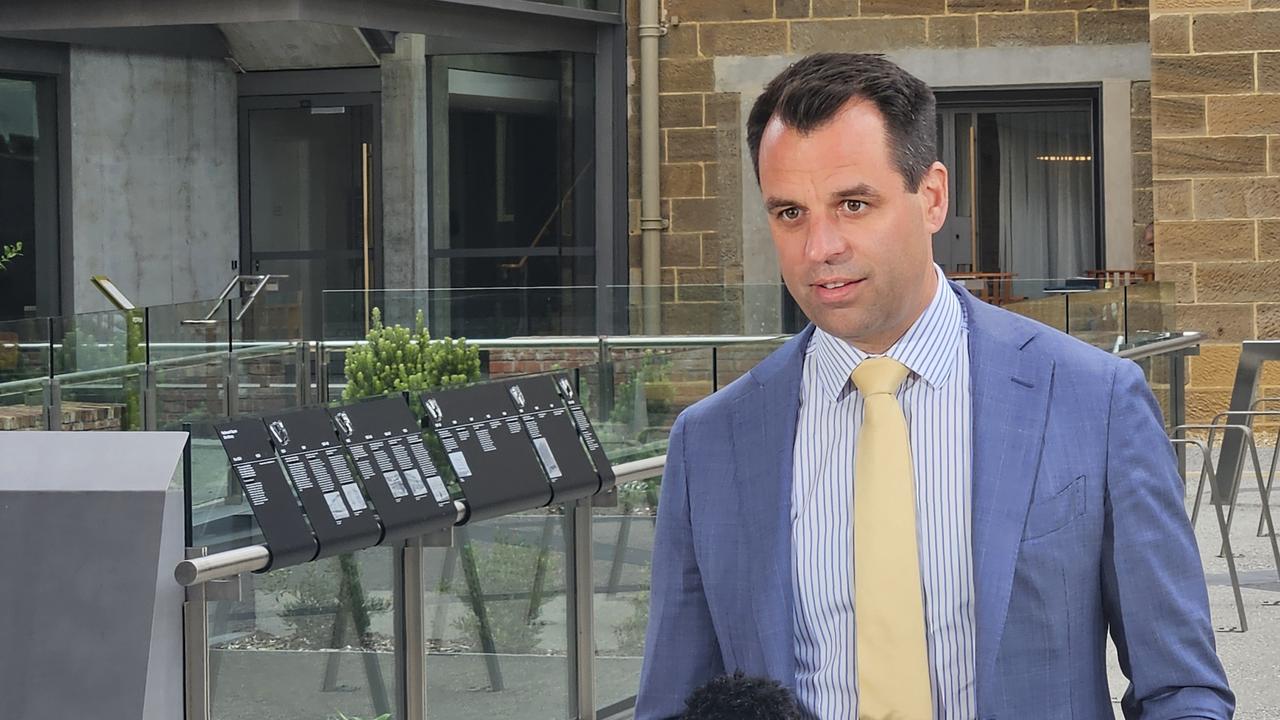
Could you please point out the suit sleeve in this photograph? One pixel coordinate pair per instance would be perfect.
(681, 650)
(1153, 584)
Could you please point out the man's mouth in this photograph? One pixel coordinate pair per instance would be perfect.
(836, 289)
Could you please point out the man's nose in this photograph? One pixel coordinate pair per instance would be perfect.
(824, 243)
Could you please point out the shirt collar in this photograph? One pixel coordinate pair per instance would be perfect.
(927, 348)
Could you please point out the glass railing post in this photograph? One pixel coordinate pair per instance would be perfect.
(1177, 400)
(147, 393)
(410, 628)
(1124, 308)
(605, 379)
(51, 390)
(53, 369)
(195, 647)
(302, 374)
(715, 368)
(582, 649)
(233, 386)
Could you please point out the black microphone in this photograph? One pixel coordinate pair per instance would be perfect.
(738, 697)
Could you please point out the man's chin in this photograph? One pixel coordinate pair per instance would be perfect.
(840, 325)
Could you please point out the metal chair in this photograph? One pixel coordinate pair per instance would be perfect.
(1247, 438)
(1206, 471)
(1271, 472)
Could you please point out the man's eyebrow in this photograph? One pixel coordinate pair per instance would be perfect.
(859, 190)
(774, 203)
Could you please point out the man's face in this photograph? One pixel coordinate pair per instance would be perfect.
(855, 247)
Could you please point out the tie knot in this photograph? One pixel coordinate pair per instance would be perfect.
(879, 375)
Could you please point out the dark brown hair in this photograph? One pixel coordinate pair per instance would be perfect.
(812, 91)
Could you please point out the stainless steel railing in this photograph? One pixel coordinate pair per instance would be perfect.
(230, 563)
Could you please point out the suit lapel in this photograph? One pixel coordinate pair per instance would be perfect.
(1010, 399)
(764, 428)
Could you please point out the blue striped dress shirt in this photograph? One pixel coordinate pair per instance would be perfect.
(935, 400)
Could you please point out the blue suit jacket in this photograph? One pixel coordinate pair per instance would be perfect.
(1078, 528)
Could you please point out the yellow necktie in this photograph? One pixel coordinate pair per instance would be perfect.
(893, 661)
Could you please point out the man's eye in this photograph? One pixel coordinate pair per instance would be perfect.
(854, 206)
(790, 213)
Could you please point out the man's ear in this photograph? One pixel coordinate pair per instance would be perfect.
(933, 196)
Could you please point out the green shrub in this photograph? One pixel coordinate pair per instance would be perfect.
(395, 359)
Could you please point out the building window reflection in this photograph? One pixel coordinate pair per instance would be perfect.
(28, 197)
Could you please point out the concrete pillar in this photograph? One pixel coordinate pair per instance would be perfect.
(405, 169)
(154, 183)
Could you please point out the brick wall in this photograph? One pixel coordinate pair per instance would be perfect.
(1215, 114)
(75, 416)
(701, 128)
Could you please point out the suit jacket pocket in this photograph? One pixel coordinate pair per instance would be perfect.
(1048, 516)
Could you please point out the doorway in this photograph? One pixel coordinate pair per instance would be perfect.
(513, 187)
(309, 172)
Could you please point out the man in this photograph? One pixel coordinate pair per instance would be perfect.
(985, 496)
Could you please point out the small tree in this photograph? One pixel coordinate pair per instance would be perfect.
(395, 359)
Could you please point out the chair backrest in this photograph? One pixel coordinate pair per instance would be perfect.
(1116, 278)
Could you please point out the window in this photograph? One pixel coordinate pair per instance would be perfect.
(1024, 183)
(28, 197)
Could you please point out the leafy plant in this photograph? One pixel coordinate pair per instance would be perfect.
(396, 359)
(8, 253)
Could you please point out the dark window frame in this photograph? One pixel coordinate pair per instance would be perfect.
(1085, 97)
(47, 64)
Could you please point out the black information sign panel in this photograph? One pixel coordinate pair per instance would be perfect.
(403, 482)
(604, 468)
(555, 439)
(316, 462)
(254, 463)
(487, 446)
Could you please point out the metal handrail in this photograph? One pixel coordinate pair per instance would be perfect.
(247, 352)
(252, 558)
(1183, 341)
(576, 341)
(591, 341)
(222, 297)
(226, 293)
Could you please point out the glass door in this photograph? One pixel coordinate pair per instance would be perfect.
(310, 210)
(513, 194)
